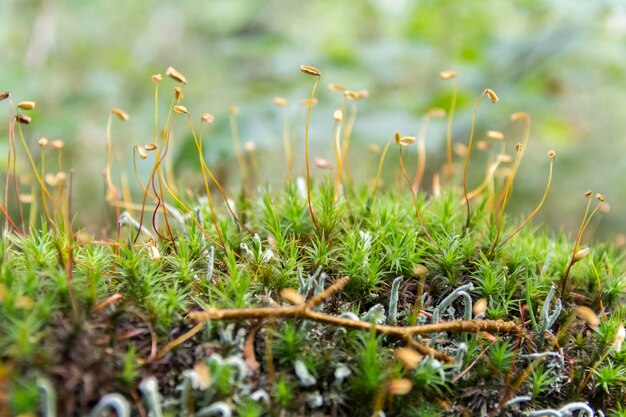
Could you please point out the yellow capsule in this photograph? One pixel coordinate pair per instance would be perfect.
(121, 114)
(409, 357)
(181, 109)
(447, 75)
(280, 101)
(26, 105)
(492, 95)
(401, 386)
(308, 69)
(292, 296)
(175, 75)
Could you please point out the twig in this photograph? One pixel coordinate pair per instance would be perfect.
(306, 311)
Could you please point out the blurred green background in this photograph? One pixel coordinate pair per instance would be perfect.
(562, 61)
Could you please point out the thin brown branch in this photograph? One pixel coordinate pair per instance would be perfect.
(428, 351)
(328, 292)
(305, 311)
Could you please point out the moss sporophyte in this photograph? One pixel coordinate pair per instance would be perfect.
(405, 289)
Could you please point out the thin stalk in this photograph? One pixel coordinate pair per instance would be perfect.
(467, 158)
(491, 170)
(306, 152)
(12, 148)
(157, 157)
(530, 216)
(43, 175)
(579, 237)
(380, 170)
(205, 168)
(70, 250)
(112, 192)
(192, 215)
(37, 176)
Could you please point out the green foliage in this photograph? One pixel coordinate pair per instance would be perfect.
(500, 356)
(116, 310)
(289, 342)
(370, 371)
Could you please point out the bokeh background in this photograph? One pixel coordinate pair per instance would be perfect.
(562, 61)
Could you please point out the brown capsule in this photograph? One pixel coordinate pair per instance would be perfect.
(480, 307)
(350, 95)
(154, 253)
(208, 117)
(181, 109)
(142, 152)
(437, 185)
(23, 119)
(551, 154)
(51, 180)
(400, 386)
(406, 140)
(495, 135)
(504, 158)
(483, 145)
(578, 256)
(519, 147)
(309, 102)
(460, 149)
(150, 147)
(322, 163)
(26, 199)
(397, 136)
(588, 193)
(492, 95)
(409, 357)
(43, 142)
(175, 75)
(249, 147)
(60, 178)
(588, 315)
(504, 172)
(203, 375)
(600, 197)
(436, 113)
(57, 144)
(520, 116)
(178, 93)
(336, 88)
(447, 75)
(292, 296)
(605, 207)
(4, 95)
(361, 94)
(420, 271)
(26, 105)
(280, 101)
(308, 69)
(121, 114)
